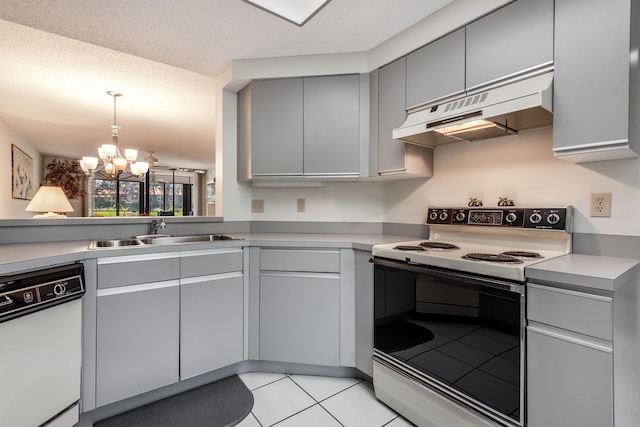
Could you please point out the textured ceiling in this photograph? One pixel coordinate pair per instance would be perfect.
(60, 57)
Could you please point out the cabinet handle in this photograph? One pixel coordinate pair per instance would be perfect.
(210, 277)
(570, 292)
(137, 288)
(574, 340)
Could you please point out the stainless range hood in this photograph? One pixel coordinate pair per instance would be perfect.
(504, 110)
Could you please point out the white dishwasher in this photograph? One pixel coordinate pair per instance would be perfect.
(40, 347)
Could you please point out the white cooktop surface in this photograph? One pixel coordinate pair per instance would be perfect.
(452, 259)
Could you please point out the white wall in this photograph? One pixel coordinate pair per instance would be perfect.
(9, 207)
(522, 168)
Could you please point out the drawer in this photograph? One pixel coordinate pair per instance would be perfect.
(579, 312)
(313, 260)
(213, 261)
(137, 269)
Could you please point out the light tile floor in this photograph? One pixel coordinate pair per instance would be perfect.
(310, 401)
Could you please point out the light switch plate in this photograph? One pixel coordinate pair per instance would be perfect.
(257, 206)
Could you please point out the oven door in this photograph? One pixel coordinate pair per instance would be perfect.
(458, 334)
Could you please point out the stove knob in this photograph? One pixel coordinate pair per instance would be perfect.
(535, 218)
(553, 219)
(443, 216)
(460, 216)
(511, 217)
(433, 215)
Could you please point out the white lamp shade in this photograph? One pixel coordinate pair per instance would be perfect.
(143, 167)
(130, 154)
(120, 163)
(109, 150)
(110, 169)
(89, 162)
(49, 199)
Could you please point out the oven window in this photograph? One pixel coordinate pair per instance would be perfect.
(455, 330)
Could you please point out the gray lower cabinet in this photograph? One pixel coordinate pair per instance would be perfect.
(569, 358)
(300, 318)
(305, 301)
(137, 339)
(211, 323)
(514, 39)
(594, 81)
(364, 311)
(151, 333)
(211, 310)
(569, 381)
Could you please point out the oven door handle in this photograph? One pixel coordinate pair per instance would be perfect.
(451, 275)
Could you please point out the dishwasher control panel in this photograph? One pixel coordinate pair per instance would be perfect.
(28, 292)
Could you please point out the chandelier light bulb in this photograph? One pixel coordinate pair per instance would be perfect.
(120, 163)
(109, 150)
(131, 154)
(143, 167)
(91, 163)
(110, 169)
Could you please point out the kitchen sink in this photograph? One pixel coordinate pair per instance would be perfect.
(169, 240)
(114, 243)
(159, 239)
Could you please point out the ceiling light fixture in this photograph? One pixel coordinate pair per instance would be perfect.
(111, 163)
(296, 11)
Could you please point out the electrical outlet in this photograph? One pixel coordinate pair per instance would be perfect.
(301, 205)
(601, 204)
(257, 206)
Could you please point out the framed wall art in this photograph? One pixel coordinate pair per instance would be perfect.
(21, 174)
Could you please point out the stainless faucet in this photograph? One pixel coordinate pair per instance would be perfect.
(157, 224)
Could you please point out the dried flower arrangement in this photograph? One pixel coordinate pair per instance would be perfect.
(68, 175)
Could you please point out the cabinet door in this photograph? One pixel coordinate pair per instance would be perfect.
(511, 40)
(569, 382)
(276, 127)
(137, 346)
(211, 323)
(332, 125)
(436, 70)
(392, 113)
(300, 318)
(591, 78)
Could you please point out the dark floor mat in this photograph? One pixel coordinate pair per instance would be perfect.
(400, 335)
(219, 404)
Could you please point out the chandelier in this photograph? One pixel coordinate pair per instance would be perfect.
(110, 162)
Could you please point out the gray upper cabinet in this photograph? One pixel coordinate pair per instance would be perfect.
(331, 125)
(436, 70)
(595, 90)
(514, 39)
(273, 122)
(394, 158)
(303, 127)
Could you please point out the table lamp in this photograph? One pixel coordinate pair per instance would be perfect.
(51, 200)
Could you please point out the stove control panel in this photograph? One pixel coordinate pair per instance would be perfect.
(530, 218)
